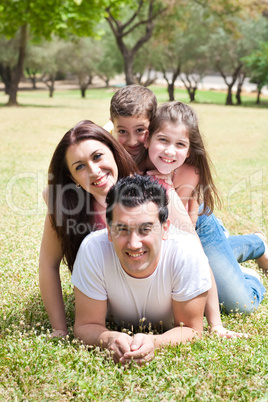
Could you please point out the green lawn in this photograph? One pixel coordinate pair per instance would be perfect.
(34, 368)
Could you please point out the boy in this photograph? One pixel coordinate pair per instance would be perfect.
(131, 110)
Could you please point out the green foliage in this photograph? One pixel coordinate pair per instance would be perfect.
(36, 368)
(257, 65)
(52, 16)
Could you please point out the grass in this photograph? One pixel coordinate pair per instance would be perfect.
(35, 368)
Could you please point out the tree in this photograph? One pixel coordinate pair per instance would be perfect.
(181, 51)
(257, 66)
(144, 65)
(81, 55)
(110, 61)
(240, 81)
(34, 61)
(44, 18)
(53, 62)
(9, 50)
(230, 45)
(144, 15)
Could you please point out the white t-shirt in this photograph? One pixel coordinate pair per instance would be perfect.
(182, 274)
(109, 127)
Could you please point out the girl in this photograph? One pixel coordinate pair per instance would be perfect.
(177, 154)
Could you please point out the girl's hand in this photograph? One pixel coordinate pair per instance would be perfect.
(167, 178)
(164, 179)
(221, 331)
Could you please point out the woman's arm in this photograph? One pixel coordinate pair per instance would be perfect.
(49, 279)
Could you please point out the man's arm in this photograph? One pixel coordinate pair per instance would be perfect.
(90, 316)
(188, 323)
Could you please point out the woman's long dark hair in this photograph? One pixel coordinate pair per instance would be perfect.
(70, 208)
(177, 113)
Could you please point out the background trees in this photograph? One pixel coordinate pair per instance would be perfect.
(43, 18)
(145, 38)
(257, 67)
(141, 14)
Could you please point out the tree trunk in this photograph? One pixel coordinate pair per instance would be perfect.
(32, 76)
(229, 99)
(50, 86)
(171, 89)
(51, 91)
(5, 73)
(83, 92)
(17, 70)
(241, 79)
(121, 30)
(128, 68)
(238, 96)
(191, 92)
(258, 96)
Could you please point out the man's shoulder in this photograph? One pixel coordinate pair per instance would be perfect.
(183, 245)
(99, 236)
(175, 235)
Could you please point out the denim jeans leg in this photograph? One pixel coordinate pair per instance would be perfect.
(246, 247)
(237, 291)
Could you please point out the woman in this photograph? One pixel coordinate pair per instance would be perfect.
(85, 164)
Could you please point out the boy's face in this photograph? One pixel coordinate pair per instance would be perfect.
(131, 132)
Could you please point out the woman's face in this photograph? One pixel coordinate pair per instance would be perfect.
(92, 166)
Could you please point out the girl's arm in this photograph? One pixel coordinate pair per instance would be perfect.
(49, 279)
(185, 181)
(178, 215)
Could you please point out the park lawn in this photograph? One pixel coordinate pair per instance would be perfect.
(35, 368)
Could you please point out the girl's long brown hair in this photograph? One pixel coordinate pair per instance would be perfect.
(177, 113)
(70, 208)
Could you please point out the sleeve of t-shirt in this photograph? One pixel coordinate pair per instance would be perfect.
(88, 271)
(191, 271)
(109, 127)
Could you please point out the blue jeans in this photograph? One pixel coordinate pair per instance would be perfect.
(237, 291)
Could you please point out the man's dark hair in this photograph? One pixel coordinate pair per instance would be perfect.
(137, 190)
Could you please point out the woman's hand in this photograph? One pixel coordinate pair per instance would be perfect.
(59, 333)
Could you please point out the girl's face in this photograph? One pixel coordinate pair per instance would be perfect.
(92, 166)
(168, 148)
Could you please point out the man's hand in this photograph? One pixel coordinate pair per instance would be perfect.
(141, 350)
(221, 331)
(120, 345)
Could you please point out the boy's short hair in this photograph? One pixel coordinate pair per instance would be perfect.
(133, 100)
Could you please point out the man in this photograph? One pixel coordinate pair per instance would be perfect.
(135, 270)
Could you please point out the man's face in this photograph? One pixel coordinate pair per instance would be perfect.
(130, 132)
(137, 235)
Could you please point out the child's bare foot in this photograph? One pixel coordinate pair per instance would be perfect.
(263, 260)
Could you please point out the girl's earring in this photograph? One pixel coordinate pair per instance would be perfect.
(77, 185)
